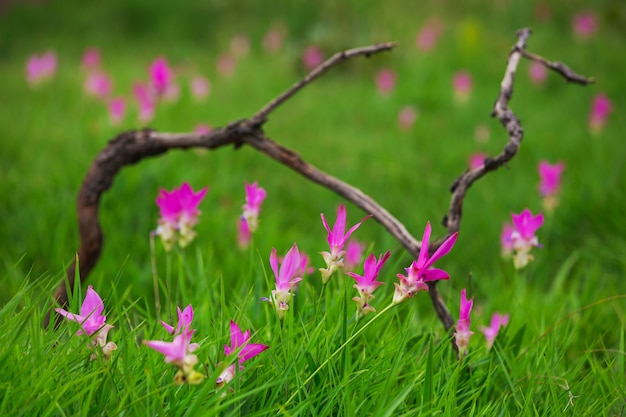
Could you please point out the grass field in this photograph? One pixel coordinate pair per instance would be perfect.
(563, 351)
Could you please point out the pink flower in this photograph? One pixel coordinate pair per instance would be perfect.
(98, 84)
(117, 109)
(273, 39)
(550, 184)
(312, 57)
(585, 24)
(161, 76)
(600, 109)
(240, 45)
(183, 325)
(203, 129)
(354, 255)
(407, 117)
(336, 240)
(385, 81)
(179, 213)
(463, 332)
(91, 59)
(286, 279)
(304, 267)
(239, 345)
(506, 241)
(145, 101)
(92, 321)
(226, 64)
(523, 237)
(366, 284)
(538, 72)
(420, 270)
(462, 84)
(491, 332)
(40, 68)
(477, 160)
(243, 233)
(429, 34)
(251, 209)
(200, 87)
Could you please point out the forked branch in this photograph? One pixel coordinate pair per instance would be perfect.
(131, 147)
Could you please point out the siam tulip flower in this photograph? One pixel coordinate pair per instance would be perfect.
(462, 84)
(274, 38)
(304, 268)
(600, 109)
(91, 59)
(145, 101)
(40, 68)
(420, 271)
(336, 240)
(463, 332)
(477, 160)
(286, 279)
(491, 332)
(92, 321)
(584, 24)
(312, 57)
(240, 45)
(354, 255)
(506, 240)
(244, 235)
(385, 81)
(203, 129)
(117, 109)
(200, 87)
(226, 64)
(185, 317)
(98, 84)
(366, 284)
(427, 37)
(161, 76)
(179, 353)
(179, 213)
(251, 209)
(550, 184)
(244, 351)
(523, 237)
(538, 72)
(407, 117)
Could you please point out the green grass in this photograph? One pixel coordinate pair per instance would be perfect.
(563, 352)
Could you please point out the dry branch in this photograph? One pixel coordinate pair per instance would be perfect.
(131, 147)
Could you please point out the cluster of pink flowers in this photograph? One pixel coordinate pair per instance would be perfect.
(92, 321)
(41, 67)
(98, 84)
(179, 214)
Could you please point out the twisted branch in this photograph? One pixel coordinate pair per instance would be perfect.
(130, 147)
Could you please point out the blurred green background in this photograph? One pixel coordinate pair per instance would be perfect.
(341, 124)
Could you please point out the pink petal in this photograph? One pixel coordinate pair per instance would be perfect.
(435, 274)
(443, 249)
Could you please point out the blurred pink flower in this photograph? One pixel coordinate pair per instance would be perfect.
(145, 102)
(274, 38)
(585, 24)
(407, 117)
(200, 87)
(337, 238)
(179, 214)
(550, 184)
(40, 68)
(312, 57)
(427, 37)
(462, 84)
(354, 255)
(117, 110)
(420, 270)
(367, 283)
(600, 109)
(477, 160)
(183, 325)
(161, 76)
(226, 64)
(203, 129)
(385, 81)
(91, 59)
(491, 332)
(538, 72)
(240, 45)
(506, 242)
(463, 333)
(286, 279)
(98, 84)
(251, 209)
(239, 344)
(243, 233)
(525, 226)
